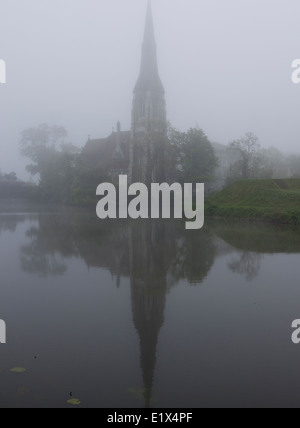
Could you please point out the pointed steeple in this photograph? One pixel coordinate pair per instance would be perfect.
(149, 79)
(149, 28)
(148, 118)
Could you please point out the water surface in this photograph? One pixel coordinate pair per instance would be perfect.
(145, 313)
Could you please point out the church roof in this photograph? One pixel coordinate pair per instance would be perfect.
(109, 153)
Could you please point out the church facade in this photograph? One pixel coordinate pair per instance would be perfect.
(140, 152)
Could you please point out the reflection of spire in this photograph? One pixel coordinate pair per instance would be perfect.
(148, 294)
(148, 307)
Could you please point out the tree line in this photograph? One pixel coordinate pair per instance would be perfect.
(63, 175)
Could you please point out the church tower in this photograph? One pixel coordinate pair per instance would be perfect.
(148, 123)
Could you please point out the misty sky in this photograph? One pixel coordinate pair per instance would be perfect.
(225, 66)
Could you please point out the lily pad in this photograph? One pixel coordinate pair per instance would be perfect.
(18, 370)
(22, 391)
(139, 393)
(74, 402)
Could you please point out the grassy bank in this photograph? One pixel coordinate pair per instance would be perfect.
(268, 200)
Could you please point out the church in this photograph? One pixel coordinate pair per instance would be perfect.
(140, 152)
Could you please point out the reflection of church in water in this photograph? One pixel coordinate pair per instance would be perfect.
(148, 275)
(155, 255)
(144, 251)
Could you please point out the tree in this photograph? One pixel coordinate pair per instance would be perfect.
(192, 156)
(38, 144)
(294, 165)
(273, 164)
(52, 159)
(173, 150)
(248, 163)
(11, 177)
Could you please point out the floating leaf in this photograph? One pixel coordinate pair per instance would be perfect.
(139, 393)
(74, 402)
(18, 370)
(22, 391)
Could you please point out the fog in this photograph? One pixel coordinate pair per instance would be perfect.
(225, 66)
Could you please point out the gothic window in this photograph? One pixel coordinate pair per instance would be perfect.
(142, 109)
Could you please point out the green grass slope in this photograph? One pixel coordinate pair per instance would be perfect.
(271, 200)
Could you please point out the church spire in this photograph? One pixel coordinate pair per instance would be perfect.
(148, 119)
(149, 79)
(149, 28)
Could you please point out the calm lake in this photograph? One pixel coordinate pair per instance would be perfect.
(146, 313)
